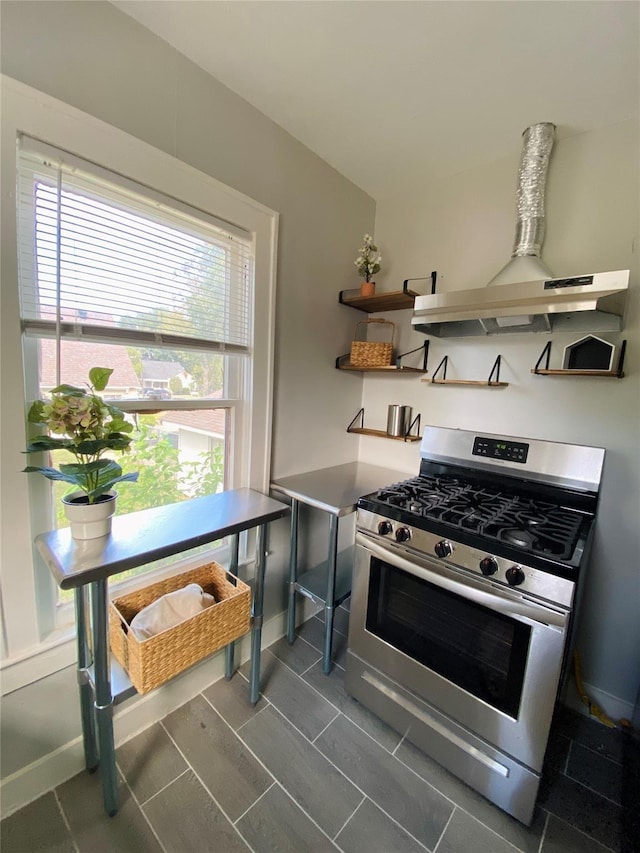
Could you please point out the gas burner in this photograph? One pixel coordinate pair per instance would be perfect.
(520, 538)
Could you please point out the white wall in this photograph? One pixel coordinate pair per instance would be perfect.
(463, 228)
(92, 56)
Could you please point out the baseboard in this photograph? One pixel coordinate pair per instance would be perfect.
(30, 782)
(614, 707)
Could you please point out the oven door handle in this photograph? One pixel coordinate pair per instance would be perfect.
(497, 600)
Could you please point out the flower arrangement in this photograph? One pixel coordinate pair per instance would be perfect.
(87, 427)
(368, 260)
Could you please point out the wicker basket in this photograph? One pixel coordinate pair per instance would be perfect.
(151, 662)
(372, 353)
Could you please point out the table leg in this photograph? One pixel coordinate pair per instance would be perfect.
(293, 571)
(331, 593)
(103, 698)
(229, 652)
(85, 660)
(256, 614)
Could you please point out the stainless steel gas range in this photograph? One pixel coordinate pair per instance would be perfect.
(464, 588)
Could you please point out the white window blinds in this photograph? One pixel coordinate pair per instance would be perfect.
(104, 259)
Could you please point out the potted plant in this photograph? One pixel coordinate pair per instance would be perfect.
(368, 264)
(80, 421)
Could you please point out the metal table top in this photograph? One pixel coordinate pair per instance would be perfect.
(141, 537)
(337, 489)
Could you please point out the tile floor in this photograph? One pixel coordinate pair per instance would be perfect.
(308, 769)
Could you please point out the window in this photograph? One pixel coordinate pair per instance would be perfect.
(114, 276)
(145, 265)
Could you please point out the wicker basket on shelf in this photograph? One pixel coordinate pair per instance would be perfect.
(149, 663)
(372, 353)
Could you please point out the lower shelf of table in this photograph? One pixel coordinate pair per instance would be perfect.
(121, 686)
(313, 583)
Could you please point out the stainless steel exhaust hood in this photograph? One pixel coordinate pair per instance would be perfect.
(583, 303)
(524, 296)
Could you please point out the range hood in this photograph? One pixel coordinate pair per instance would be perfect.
(584, 303)
(524, 296)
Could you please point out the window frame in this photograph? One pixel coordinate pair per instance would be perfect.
(26, 630)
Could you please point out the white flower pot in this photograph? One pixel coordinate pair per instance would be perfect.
(89, 521)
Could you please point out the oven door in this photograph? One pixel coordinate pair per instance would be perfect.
(487, 657)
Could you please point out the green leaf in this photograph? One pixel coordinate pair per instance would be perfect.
(54, 474)
(91, 467)
(36, 412)
(91, 447)
(105, 486)
(99, 377)
(43, 443)
(71, 390)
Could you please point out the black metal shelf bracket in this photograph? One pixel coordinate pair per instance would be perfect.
(495, 369)
(425, 354)
(443, 365)
(353, 423)
(545, 352)
(623, 349)
(414, 423)
(433, 278)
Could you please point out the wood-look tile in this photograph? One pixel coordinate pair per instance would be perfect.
(585, 810)
(465, 833)
(150, 761)
(596, 772)
(295, 699)
(36, 828)
(231, 699)
(526, 838)
(275, 824)
(299, 655)
(560, 837)
(400, 792)
(340, 619)
(185, 818)
(313, 632)
(372, 830)
(588, 732)
(92, 830)
(218, 756)
(332, 688)
(321, 790)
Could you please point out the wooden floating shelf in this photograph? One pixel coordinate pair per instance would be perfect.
(343, 362)
(570, 372)
(545, 355)
(396, 300)
(390, 368)
(382, 434)
(482, 382)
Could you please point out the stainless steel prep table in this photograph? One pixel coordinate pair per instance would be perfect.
(335, 491)
(136, 539)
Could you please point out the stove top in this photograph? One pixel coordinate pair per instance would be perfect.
(530, 524)
(483, 501)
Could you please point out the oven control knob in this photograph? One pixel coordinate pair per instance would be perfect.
(514, 576)
(488, 566)
(444, 548)
(403, 534)
(384, 528)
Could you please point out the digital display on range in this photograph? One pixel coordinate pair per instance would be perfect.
(495, 448)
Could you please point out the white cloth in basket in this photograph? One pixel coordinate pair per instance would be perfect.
(170, 610)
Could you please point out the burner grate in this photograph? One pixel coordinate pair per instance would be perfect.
(529, 524)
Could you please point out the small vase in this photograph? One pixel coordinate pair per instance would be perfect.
(367, 288)
(89, 521)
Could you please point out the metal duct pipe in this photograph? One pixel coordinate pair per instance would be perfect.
(525, 263)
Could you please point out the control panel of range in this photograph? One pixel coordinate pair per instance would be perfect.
(494, 568)
(497, 448)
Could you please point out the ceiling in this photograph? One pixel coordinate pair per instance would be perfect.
(395, 94)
